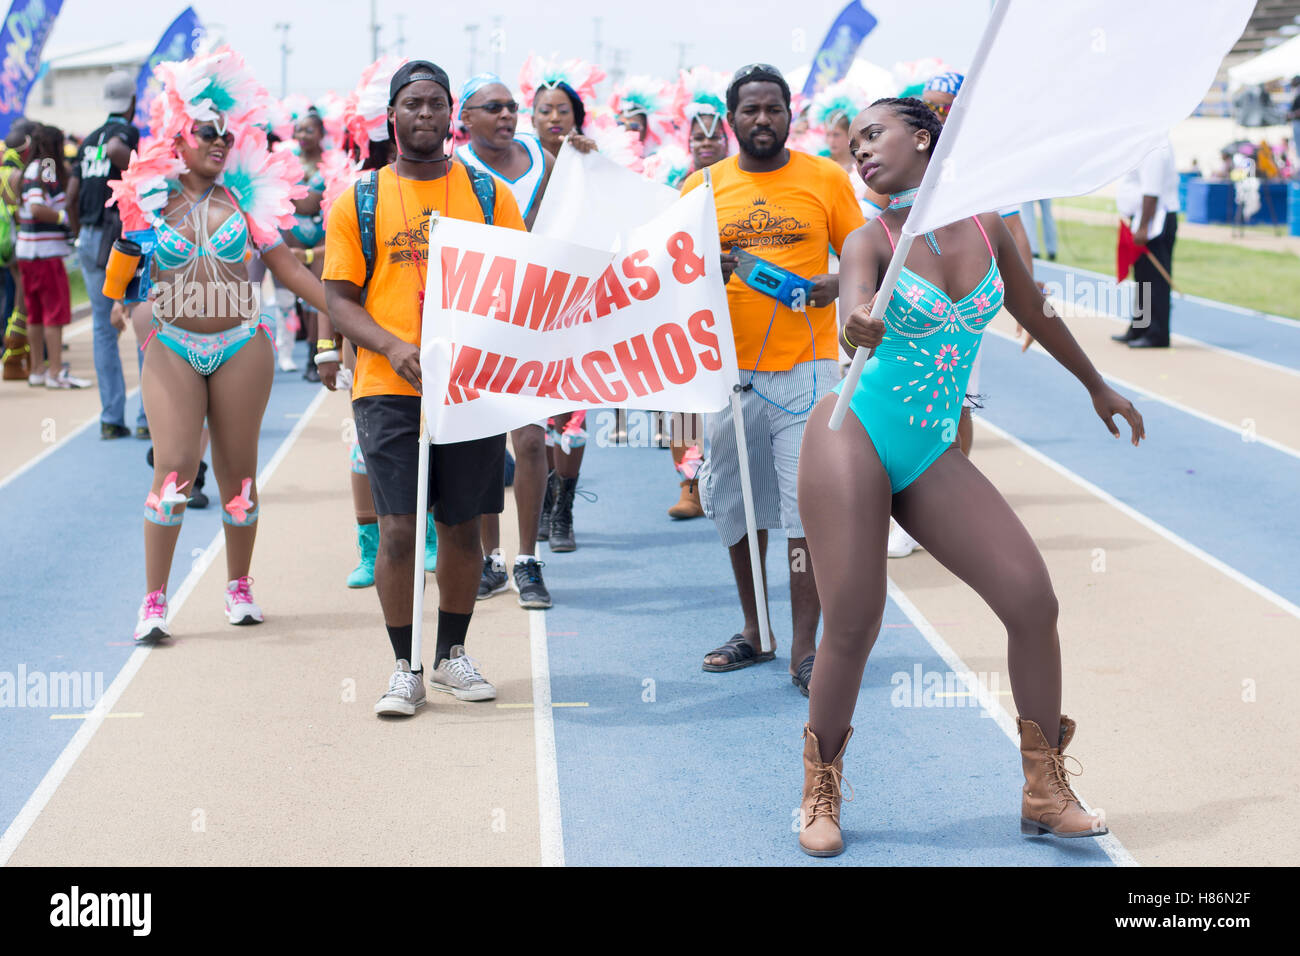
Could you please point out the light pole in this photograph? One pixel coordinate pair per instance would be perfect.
(401, 36)
(374, 32)
(284, 58)
(472, 30)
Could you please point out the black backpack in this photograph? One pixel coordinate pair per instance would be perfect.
(366, 197)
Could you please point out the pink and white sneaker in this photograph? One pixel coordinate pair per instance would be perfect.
(151, 623)
(240, 606)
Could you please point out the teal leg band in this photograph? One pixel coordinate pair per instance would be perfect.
(250, 517)
(167, 519)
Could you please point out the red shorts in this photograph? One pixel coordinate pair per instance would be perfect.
(45, 287)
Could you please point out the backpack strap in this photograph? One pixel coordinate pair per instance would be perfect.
(366, 195)
(485, 190)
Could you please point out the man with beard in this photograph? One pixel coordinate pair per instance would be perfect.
(788, 209)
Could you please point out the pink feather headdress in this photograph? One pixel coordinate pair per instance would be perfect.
(142, 191)
(212, 87)
(263, 184)
(538, 72)
(365, 115)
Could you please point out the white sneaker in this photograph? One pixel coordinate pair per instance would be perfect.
(459, 675)
(240, 606)
(901, 544)
(151, 622)
(65, 379)
(405, 693)
(286, 362)
(37, 380)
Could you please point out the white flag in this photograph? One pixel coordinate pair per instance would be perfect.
(518, 326)
(591, 200)
(1064, 97)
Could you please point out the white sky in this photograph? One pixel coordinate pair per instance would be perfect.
(330, 39)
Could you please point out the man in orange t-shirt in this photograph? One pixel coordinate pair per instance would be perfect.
(789, 209)
(466, 479)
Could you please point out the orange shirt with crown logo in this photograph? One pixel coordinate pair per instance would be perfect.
(792, 217)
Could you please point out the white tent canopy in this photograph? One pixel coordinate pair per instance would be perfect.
(1281, 62)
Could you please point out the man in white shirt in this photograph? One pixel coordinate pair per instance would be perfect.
(1148, 198)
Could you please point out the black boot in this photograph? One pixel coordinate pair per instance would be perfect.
(561, 538)
(311, 373)
(197, 498)
(548, 505)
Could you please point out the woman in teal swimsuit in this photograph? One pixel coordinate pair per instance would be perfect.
(896, 454)
(204, 357)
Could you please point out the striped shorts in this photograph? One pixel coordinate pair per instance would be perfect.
(773, 437)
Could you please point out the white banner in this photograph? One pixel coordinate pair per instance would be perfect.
(591, 200)
(519, 327)
(1064, 98)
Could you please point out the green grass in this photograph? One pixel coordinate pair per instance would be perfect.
(77, 287)
(1252, 279)
(1099, 203)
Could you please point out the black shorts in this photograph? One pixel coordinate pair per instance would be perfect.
(466, 479)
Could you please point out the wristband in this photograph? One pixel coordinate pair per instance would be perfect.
(844, 334)
(324, 345)
(311, 256)
(324, 358)
(63, 217)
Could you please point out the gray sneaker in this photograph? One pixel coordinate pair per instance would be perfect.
(405, 693)
(459, 675)
(491, 581)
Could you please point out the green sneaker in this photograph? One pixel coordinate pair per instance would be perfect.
(363, 575)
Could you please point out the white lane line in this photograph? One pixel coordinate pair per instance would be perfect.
(1075, 309)
(1165, 400)
(550, 822)
(1247, 582)
(33, 462)
(45, 790)
(992, 706)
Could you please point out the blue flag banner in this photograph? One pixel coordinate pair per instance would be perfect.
(22, 38)
(833, 60)
(178, 43)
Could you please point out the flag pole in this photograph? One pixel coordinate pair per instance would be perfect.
(421, 534)
(747, 496)
(933, 174)
(422, 499)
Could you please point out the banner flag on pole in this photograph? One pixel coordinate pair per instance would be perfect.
(1110, 77)
(518, 327)
(178, 42)
(22, 38)
(832, 62)
(592, 200)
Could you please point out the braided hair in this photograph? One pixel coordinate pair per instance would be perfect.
(915, 114)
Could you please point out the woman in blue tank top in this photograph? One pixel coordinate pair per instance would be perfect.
(896, 454)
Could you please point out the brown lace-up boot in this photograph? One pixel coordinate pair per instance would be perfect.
(1048, 805)
(819, 814)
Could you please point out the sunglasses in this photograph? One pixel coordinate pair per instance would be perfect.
(745, 71)
(207, 133)
(939, 109)
(496, 106)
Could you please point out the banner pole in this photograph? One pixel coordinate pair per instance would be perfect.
(933, 173)
(751, 522)
(421, 535)
(422, 495)
(860, 356)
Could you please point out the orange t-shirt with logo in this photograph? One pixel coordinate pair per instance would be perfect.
(401, 257)
(791, 217)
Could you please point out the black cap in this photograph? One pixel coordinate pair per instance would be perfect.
(756, 73)
(413, 72)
